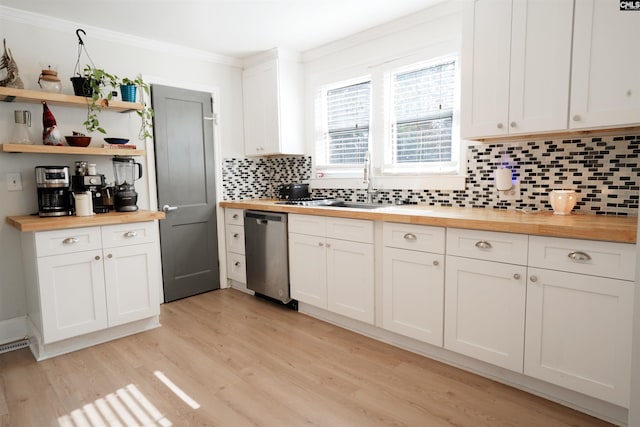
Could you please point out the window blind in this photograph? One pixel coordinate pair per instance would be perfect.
(348, 110)
(423, 104)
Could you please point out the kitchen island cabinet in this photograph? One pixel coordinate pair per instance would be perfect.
(86, 285)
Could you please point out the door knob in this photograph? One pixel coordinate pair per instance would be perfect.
(167, 208)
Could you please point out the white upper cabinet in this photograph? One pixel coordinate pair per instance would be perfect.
(516, 67)
(605, 87)
(272, 99)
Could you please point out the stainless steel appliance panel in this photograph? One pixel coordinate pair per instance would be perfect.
(267, 254)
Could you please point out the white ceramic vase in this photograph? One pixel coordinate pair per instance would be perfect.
(562, 201)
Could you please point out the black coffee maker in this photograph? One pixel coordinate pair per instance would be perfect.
(86, 179)
(124, 171)
(54, 193)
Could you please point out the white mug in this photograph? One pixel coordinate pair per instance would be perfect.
(84, 203)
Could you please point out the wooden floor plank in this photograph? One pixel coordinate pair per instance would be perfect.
(248, 362)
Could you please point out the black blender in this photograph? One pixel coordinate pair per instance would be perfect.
(124, 171)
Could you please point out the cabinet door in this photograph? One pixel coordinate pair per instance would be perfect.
(485, 72)
(484, 311)
(579, 333)
(541, 34)
(413, 294)
(307, 269)
(261, 110)
(235, 239)
(605, 90)
(350, 286)
(72, 295)
(132, 275)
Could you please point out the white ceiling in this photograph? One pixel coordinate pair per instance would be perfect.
(235, 28)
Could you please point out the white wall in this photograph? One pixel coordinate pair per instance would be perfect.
(36, 41)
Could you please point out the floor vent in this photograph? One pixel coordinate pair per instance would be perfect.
(14, 345)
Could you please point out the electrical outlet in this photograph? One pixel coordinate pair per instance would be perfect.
(14, 182)
(512, 194)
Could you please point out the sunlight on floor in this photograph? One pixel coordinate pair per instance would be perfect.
(177, 390)
(127, 407)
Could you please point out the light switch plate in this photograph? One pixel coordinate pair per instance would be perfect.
(14, 181)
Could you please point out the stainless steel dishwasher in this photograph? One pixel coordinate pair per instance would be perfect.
(267, 254)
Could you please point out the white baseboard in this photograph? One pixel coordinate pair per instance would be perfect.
(13, 329)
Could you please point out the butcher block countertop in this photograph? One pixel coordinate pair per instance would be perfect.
(620, 229)
(36, 223)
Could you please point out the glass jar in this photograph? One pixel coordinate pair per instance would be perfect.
(49, 81)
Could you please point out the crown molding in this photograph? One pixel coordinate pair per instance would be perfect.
(56, 24)
(432, 13)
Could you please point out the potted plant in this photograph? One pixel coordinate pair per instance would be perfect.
(97, 79)
(128, 89)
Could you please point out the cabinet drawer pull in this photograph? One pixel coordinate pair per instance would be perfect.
(130, 234)
(436, 263)
(320, 244)
(579, 256)
(70, 241)
(237, 264)
(410, 236)
(236, 235)
(499, 126)
(516, 276)
(110, 256)
(513, 124)
(97, 257)
(235, 216)
(533, 279)
(483, 244)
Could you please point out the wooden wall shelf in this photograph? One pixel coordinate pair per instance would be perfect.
(36, 97)
(51, 149)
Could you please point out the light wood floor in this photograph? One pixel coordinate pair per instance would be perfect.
(242, 361)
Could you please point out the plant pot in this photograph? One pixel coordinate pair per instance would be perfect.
(129, 93)
(81, 86)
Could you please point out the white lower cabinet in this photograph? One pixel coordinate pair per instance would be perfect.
(485, 296)
(234, 238)
(578, 325)
(331, 264)
(413, 281)
(88, 279)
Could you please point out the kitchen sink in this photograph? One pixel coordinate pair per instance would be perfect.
(356, 205)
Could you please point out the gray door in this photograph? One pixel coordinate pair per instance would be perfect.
(183, 133)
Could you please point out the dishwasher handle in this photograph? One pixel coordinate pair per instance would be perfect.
(262, 217)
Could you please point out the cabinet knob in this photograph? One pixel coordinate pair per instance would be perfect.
(320, 244)
(235, 216)
(576, 118)
(629, 93)
(436, 263)
(97, 257)
(110, 256)
(513, 124)
(500, 125)
(410, 236)
(483, 244)
(516, 276)
(533, 279)
(579, 256)
(237, 264)
(328, 245)
(236, 235)
(130, 234)
(70, 241)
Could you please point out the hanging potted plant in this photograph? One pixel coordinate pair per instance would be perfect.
(129, 90)
(97, 80)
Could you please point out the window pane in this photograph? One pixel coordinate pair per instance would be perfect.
(348, 111)
(423, 114)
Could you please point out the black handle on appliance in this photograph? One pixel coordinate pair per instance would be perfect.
(139, 171)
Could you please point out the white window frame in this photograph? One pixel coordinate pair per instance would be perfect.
(416, 169)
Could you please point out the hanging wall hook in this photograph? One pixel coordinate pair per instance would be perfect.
(80, 30)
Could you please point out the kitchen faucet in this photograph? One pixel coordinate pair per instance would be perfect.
(370, 192)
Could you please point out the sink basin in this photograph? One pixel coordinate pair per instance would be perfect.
(356, 205)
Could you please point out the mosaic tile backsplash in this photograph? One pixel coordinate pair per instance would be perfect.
(604, 171)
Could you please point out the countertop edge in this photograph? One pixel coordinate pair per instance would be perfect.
(27, 223)
(619, 229)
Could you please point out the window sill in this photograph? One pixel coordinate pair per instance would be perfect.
(425, 182)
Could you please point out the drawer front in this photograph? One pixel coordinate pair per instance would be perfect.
(233, 216)
(422, 238)
(57, 242)
(133, 233)
(235, 239)
(488, 245)
(236, 269)
(307, 224)
(606, 259)
(354, 230)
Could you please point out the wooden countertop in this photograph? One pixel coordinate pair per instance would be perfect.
(595, 227)
(36, 223)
